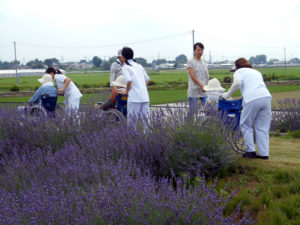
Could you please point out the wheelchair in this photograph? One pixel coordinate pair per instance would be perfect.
(46, 107)
(118, 112)
(231, 113)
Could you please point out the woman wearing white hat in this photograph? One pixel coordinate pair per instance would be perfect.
(213, 90)
(47, 88)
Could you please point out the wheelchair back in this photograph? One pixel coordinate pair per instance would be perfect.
(49, 103)
(232, 110)
(122, 103)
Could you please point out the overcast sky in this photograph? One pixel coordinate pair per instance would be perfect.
(71, 30)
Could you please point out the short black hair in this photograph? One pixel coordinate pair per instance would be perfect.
(198, 44)
(50, 70)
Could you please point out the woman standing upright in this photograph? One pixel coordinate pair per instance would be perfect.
(198, 76)
(136, 87)
(256, 110)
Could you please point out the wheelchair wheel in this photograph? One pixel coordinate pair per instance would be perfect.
(37, 111)
(237, 141)
(114, 116)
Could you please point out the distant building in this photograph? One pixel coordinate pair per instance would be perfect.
(22, 72)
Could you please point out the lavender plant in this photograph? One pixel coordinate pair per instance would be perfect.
(287, 115)
(78, 169)
(73, 186)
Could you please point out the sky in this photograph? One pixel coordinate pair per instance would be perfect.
(71, 30)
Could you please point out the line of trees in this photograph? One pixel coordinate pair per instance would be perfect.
(95, 62)
(262, 59)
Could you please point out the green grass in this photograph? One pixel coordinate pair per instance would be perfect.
(167, 96)
(164, 77)
(269, 189)
(160, 93)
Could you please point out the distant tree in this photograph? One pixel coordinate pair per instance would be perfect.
(106, 65)
(141, 61)
(35, 64)
(50, 62)
(112, 59)
(181, 59)
(5, 65)
(295, 60)
(159, 61)
(96, 61)
(252, 60)
(259, 59)
(13, 63)
(272, 61)
(82, 61)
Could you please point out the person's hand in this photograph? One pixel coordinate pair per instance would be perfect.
(225, 96)
(123, 92)
(202, 88)
(61, 91)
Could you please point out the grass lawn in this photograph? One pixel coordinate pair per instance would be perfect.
(269, 189)
(171, 96)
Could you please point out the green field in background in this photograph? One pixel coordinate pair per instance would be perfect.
(163, 77)
(156, 96)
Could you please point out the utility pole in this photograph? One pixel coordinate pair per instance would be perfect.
(284, 58)
(16, 62)
(158, 61)
(85, 65)
(210, 64)
(193, 35)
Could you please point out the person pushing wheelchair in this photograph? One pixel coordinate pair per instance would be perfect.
(256, 109)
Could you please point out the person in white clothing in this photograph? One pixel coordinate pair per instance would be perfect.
(136, 87)
(256, 110)
(66, 87)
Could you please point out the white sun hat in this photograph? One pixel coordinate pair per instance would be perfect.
(120, 81)
(46, 78)
(213, 85)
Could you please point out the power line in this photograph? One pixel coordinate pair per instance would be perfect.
(108, 45)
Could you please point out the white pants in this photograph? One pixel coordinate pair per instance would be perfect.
(72, 104)
(257, 113)
(136, 110)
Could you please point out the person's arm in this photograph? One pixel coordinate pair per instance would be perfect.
(128, 86)
(36, 97)
(146, 77)
(193, 77)
(67, 82)
(112, 75)
(237, 84)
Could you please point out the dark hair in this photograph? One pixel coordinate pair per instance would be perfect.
(127, 53)
(198, 44)
(242, 63)
(58, 71)
(51, 70)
